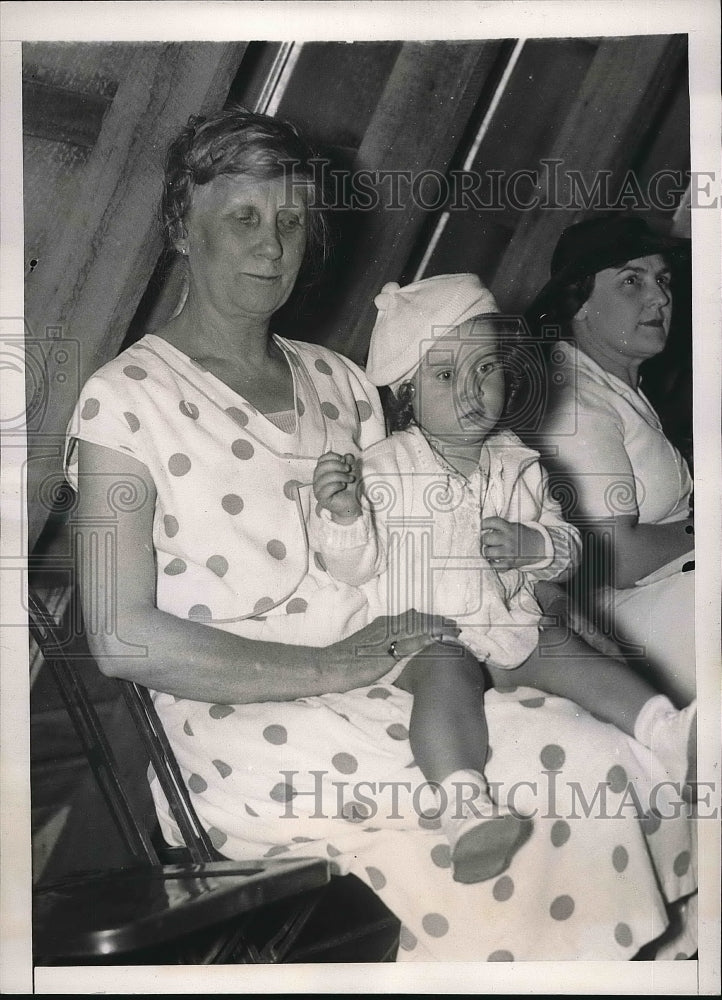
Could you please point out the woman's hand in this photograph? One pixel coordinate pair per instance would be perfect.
(368, 654)
(335, 486)
(510, 544)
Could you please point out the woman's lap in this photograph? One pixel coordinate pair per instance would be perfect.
(334, 776)
(659, 618)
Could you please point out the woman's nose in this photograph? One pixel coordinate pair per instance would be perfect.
(268, 243)
(661, 294)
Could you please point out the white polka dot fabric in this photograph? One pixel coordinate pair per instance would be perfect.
(234, 489)
(592, 882)
(334, 775)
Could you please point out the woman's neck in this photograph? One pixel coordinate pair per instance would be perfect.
(206, 334)
(243, 355)
(626, 369)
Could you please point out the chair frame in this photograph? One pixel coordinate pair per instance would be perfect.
(233, 945)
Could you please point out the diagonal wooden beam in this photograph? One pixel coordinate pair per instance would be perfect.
(418, 124)
(106, 238)
(61, 114)
(628, 81)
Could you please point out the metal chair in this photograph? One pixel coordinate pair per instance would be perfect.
(198, 907)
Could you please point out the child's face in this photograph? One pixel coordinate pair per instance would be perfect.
(459, 385)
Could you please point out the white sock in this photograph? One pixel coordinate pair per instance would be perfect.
(651, 712)
(464, 795)
(483, 837)
(670, 734)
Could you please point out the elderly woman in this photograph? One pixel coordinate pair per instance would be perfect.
(623, 480)
(197, 446)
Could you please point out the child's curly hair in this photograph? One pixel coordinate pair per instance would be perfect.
(521, 373)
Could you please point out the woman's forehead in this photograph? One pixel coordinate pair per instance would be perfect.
(234, 190)
(652, 264)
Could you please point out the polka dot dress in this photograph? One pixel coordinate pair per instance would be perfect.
(233, 489)
(592, 882)
(333, 775)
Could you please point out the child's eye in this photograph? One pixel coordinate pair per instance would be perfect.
(445, 376)
(485, 367)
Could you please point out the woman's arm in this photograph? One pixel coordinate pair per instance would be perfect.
(182, 657)
(635, 550)
(593, 475)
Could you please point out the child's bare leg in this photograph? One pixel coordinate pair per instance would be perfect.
(448, 729)
(565, 665)
(449, 739)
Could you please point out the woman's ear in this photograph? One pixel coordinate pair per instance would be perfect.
(180, 238)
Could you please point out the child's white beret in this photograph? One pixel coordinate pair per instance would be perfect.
(410, 318)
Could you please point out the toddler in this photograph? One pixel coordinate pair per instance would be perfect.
(451, 515)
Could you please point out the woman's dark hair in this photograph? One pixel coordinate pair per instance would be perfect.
(238, 141)
(518, 377)
(565, 304)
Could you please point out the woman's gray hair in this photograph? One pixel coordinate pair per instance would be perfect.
(238, 141)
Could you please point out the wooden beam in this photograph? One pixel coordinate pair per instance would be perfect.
(106, 239)
(61, 114)
(628, 81)
(418, 123)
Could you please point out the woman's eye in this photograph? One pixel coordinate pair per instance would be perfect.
(445, 376)
(486, 366)
(664, 280)
(245, 218)
(289, 223)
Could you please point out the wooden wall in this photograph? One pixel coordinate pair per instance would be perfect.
(97, 119)
(92, 184)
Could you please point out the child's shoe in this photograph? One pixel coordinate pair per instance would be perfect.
(483, 836)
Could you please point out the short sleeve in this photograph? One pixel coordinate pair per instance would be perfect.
(590, 470)
(372, 426)
(103, 415)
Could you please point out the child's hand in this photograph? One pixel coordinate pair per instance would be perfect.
(335, 486)
(510, 544)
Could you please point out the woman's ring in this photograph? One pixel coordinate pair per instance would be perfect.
(392, 651)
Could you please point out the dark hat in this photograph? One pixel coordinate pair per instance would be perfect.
(598, 243)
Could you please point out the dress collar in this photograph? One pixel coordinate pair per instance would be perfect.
(575, 357)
